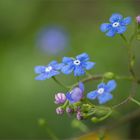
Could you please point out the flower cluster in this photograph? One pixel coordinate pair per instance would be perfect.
(77, 65)
(75, 101)
(72, 101)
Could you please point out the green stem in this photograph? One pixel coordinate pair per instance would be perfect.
(130, 56)
(124, 38)
(101, 135)
(65, 104)
(106, 116)
(51, 134)
(59, 83)
(135, 101)
(135, 33)
(124, 77)
(80, 125)
(78, 79)
(100, 77)
(89, 114)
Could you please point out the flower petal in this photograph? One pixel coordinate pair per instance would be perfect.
(121, 29)
(88, 65)
(58, 66)
(105, 27)
(76, 94)
(43, 76)
(111, 85)
(81, 86)
(39, 69)
(52, 63)
(78, 71)
(82, 57)
(67, 69)
(67, 60)
(53, 73)
(111, 32)
(103, 98)
(68, 96)
(115, 17)
(126, 21)
(92, 95)
(101, 85)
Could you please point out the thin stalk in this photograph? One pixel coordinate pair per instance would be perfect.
(134, 34)
(59, 83)
(130, 56)
(65, 104)
(51, 134)
(135, 101)
(106, 116)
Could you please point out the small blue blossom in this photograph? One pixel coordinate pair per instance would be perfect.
(76, 94)
(103, 92)
(117, 25)
(46, 72)
(53, 40)
(78, 65)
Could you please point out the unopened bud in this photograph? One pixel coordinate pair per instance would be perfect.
(94, 119)
(109, 75)
(60, 98)
(138, 19)
(79, 115)
(59, 111)
(69, 110)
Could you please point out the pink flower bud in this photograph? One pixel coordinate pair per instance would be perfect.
(79, 115)
(59, 111)
(69, 110)
(60, 98)
(138, 19)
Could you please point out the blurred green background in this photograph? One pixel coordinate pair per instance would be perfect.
(22, 99)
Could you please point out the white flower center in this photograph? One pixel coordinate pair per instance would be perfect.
(48, 69)
(115, 24)
(100, 90)
(76, 62)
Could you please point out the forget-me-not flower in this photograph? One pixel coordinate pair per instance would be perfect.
(77, 65)
(76, 94)
(117, 25)
(53, 40)
(46, 72)
(103, 92)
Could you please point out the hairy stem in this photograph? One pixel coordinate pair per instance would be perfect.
(59, 83)
(130, 56)
(135, 101)
(101, 76)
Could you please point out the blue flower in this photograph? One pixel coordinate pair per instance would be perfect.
(78, 65)
(46, 72)
(103, 92)
(53, 40)
(117, 25)
(76, 94)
